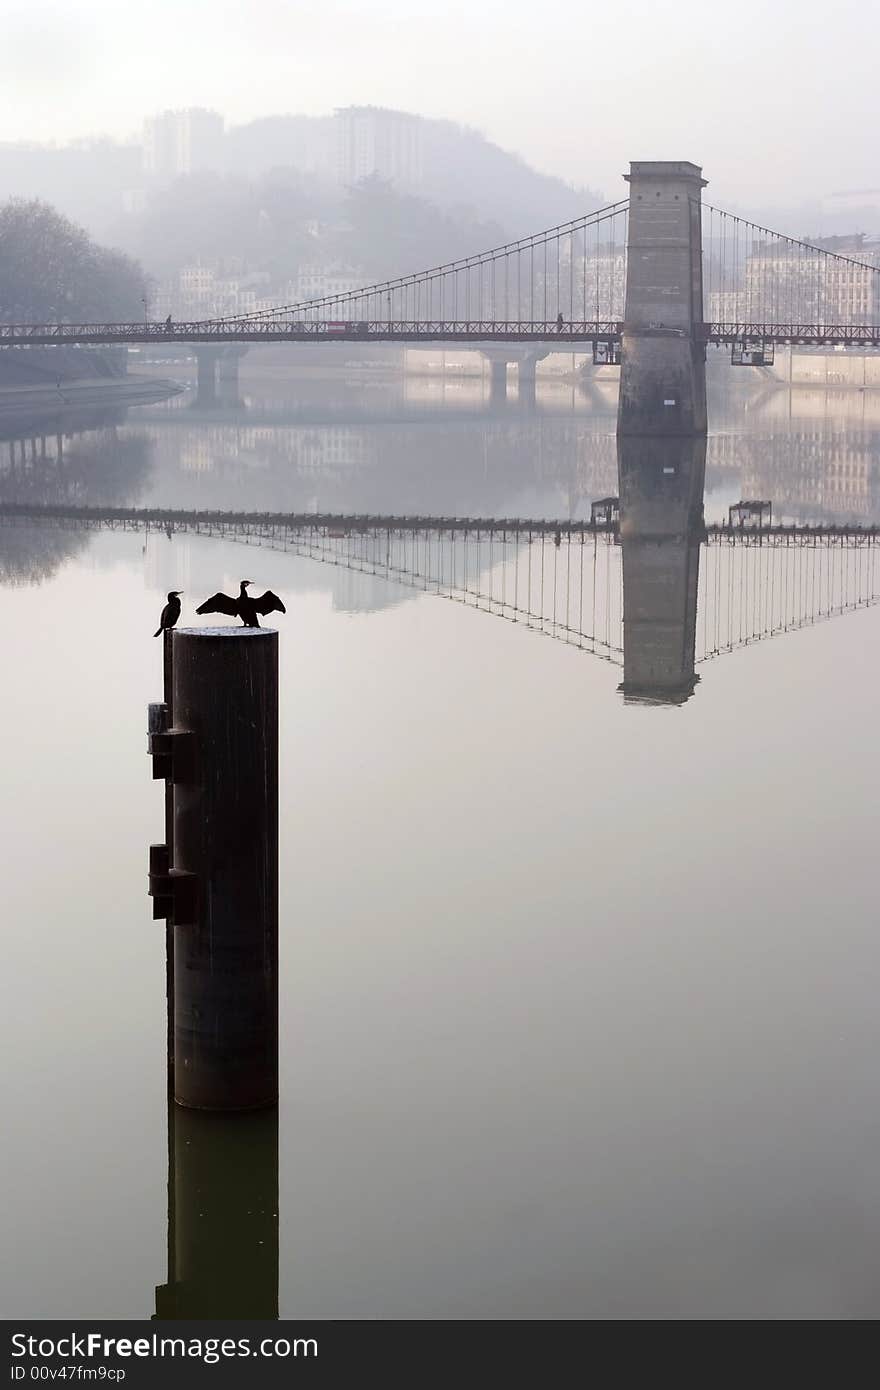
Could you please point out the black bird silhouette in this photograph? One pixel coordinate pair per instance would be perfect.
(244, 606)
(170, 613)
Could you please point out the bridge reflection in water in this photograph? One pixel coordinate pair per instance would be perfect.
(661, 528)
(656, 592)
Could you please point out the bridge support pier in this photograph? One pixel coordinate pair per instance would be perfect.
(526, 378)
(218, 375)
(526, 360)
(663, 356)
(526, 382)
(227, 375)
(498, 383)
(206, 389)
(497, 378)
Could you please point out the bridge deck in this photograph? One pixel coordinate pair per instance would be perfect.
(474, 333)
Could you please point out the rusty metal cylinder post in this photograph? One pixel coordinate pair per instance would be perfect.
(225, 779)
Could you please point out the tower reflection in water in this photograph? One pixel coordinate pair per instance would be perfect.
(222, 1215)
(661, 530)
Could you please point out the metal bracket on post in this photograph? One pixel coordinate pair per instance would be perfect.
(174, 891)
(172, 750)
(157, 723)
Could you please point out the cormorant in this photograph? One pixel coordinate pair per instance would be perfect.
(170, 613)
(244, 606)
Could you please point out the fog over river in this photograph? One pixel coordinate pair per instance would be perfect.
(578, 1012)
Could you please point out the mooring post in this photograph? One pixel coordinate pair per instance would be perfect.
(159, 720)
(225, 787)
(168, 697)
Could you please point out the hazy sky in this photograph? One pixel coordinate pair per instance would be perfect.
(759, 91)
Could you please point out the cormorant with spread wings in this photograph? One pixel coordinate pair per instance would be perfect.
(244, 607)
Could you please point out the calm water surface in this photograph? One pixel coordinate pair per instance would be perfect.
(578, 993)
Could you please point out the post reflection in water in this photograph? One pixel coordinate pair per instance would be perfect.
(661, 531)
(222, 1215)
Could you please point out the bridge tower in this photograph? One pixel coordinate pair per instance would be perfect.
(663, 358)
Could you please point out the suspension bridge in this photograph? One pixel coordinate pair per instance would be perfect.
(647, 282)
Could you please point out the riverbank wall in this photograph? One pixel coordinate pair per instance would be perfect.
(52, 380)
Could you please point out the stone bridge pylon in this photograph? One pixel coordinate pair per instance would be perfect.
(663, 354)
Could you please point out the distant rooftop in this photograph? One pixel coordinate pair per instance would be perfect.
(375, 111)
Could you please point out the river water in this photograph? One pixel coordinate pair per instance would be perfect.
(578, 1011)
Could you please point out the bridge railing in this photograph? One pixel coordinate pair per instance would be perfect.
(310, 330)
(812, 334)
(546, 332)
